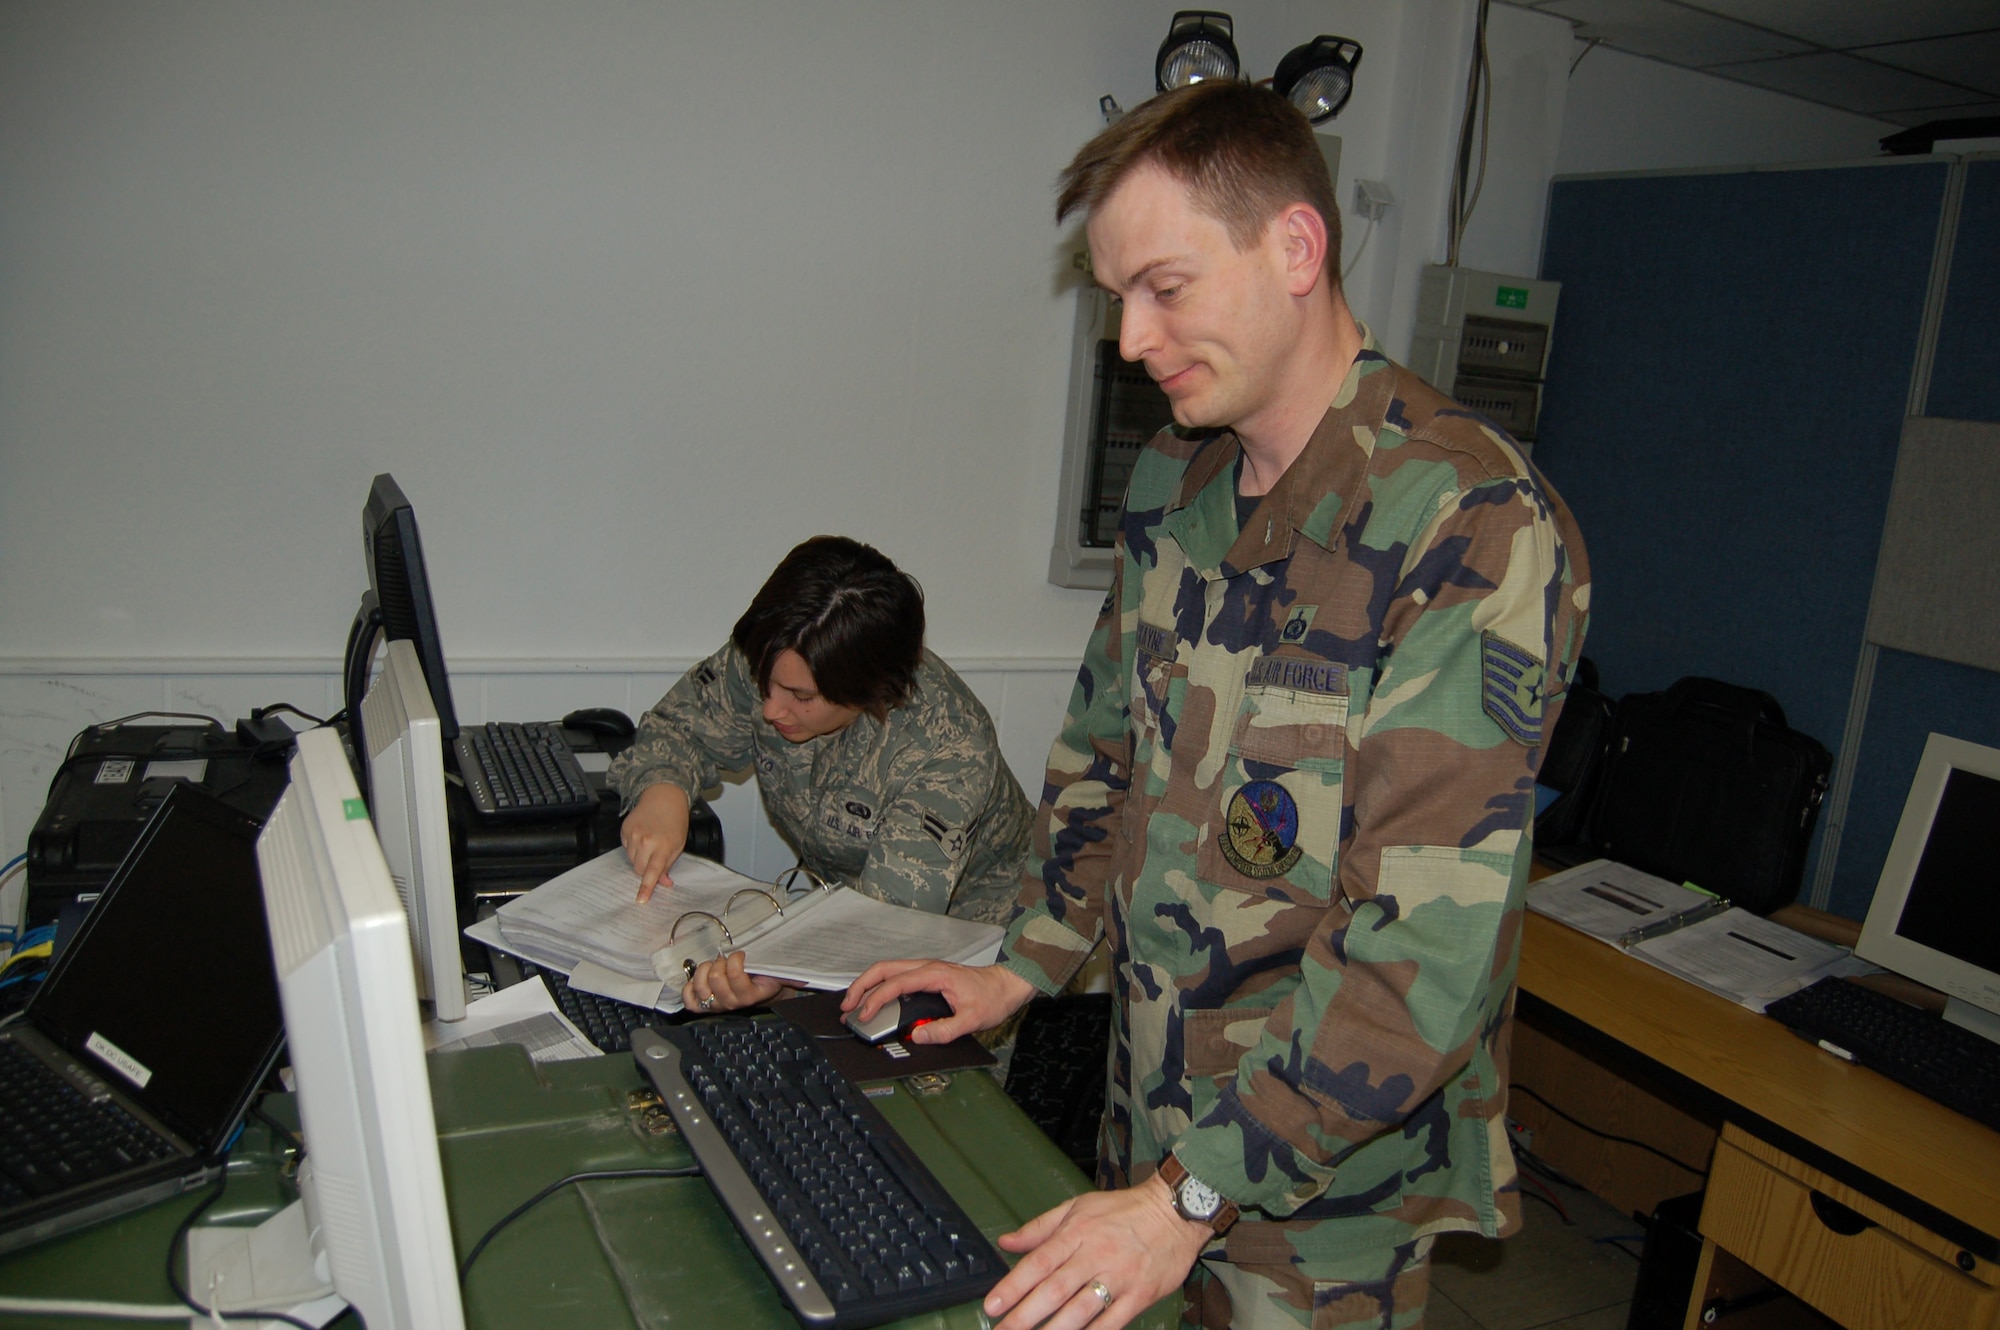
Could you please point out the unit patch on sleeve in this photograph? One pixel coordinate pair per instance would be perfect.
(1261, 834)
(1511, 688)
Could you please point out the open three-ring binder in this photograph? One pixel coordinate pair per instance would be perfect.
(588, 924)
(1687, 932)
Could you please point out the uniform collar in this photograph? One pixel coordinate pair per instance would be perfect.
(1310, 498)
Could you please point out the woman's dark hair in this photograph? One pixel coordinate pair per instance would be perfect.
(855, 618)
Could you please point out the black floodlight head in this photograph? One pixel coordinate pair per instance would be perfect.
(1318, 77)
(1200, 45)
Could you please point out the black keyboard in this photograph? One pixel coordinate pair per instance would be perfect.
(863, 1233)
(606, 1022)
(1917, 1048)
(54, 1136)
(521, 769)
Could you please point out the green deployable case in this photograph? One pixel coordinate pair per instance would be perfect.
(621, 1255)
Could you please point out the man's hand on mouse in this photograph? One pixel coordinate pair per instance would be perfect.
(981, 996)
(654, 833)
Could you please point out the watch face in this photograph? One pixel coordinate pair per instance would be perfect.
(1198, 1200)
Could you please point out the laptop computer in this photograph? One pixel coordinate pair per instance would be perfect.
(153, 1029)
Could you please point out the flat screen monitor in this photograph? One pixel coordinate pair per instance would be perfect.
(397, 604)
(406, 782)
(371, 1184)
(1935, 917)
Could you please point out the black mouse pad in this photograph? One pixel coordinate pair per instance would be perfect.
(818, 1014)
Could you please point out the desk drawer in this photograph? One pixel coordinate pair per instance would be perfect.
(1863, 1265)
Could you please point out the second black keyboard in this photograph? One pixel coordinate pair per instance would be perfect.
(521, 769)
(1917, 1048)
(605, 1021)
(848, 1222)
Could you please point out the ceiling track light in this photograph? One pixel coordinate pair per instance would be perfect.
(1318, 77)
(1200, 45)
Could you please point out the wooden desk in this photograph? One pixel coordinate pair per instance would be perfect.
(1798, 1120)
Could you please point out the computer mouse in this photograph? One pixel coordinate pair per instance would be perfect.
(898, 1016)
(607, 721)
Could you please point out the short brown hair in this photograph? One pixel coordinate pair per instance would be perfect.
(1242, 151)
(855, 618)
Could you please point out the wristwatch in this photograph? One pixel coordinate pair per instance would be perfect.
(1194, 1199)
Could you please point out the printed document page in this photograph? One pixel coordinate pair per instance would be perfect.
(1745, 958)
(524, 1014)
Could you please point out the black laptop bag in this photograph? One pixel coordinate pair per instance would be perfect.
(1706, 783)
(1573, 763)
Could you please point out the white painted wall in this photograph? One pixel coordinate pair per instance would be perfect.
(586, 266)
(1625, 113)
(590, 267)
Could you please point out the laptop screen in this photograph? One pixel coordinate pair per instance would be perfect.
(168, 988)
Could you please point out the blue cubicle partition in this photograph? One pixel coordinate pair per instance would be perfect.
(1915, 695)
(1731, 368)
(1965, 380)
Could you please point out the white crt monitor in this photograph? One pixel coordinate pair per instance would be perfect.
(399, 726)
(371, 1184)
(1936, 913)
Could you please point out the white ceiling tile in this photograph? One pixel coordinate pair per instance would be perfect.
(1843, 23)
(1842, 80)
(1972, 61)
(1670, 32)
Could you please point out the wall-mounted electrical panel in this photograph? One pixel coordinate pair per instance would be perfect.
(1482, 338)
(1114, 409)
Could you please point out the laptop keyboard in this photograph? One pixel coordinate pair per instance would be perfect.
(53, 1136)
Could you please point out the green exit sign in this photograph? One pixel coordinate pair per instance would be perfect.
(1511, 297)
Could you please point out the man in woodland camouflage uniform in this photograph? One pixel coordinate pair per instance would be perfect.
(1295, 786)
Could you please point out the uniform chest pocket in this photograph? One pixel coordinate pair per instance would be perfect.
(1278, 828)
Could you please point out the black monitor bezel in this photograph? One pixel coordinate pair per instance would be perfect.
(404, 608)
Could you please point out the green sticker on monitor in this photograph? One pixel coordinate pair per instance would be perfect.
(1511, 297)
(356, 810)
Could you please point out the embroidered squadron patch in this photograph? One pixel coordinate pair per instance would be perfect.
(1297, 623)
(1511, 688)
(1261, 833)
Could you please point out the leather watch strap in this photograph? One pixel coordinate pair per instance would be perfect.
(1173, 1172)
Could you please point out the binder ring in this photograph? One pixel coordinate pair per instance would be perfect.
(760, 892)
(674, 933)
(785, 879)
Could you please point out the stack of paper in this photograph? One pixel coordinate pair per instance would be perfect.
(1699, 937)
(592, 913)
